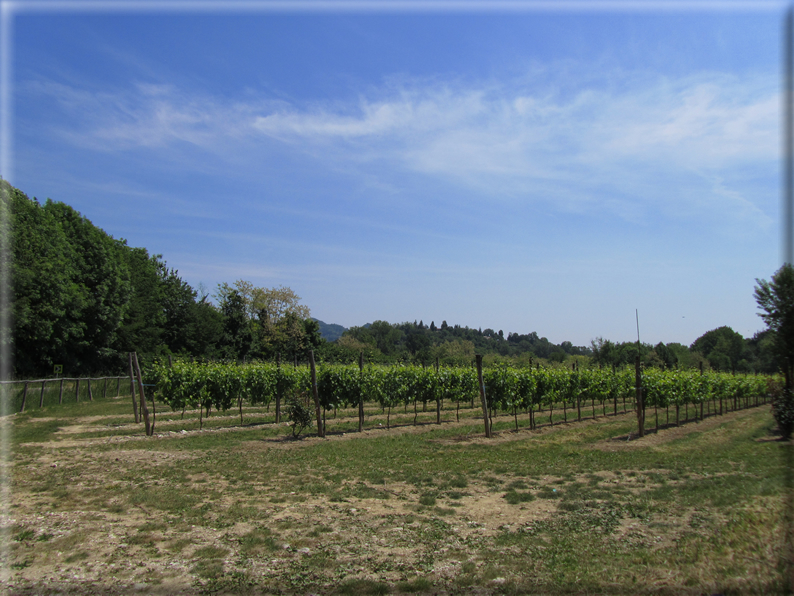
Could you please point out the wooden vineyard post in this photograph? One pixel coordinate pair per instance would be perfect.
(41, 397)
(701, 403)
(144, 407)
(60, 392)
(90, 394)
(472, 394)
(438, 398)
(24, 397)
(278, 391)
(361, 392)
(132, 390)
(640, 401)
(320, 429)
(486, 421)
(616, 395)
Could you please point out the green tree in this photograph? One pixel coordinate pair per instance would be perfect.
(141, 330)
(105, 284)
(722, 347)
(45, 298)
(776, 299)
(237, 336)
(70, 288)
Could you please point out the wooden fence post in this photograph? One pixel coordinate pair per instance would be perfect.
(640, 400)
(316, 396)
(149, 427)
(118, 386)
(438, 399)
(41, 397)
(361, 395)
(60, 392)
(105, 389)
(278, 391)
(486, 420)
(90, 394)
(132, 389)
(24, 397)
(77, 389)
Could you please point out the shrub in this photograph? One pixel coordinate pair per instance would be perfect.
(783, 411)
(299, 415)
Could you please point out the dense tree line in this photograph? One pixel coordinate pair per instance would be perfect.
(82, 299)
(721, 349)
(450, 344)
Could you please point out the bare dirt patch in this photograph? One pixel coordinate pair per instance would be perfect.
(131, 521)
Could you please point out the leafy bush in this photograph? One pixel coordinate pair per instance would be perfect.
(299, 415)
(783, 411)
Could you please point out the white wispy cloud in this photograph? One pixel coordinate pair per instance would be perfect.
(609, 146)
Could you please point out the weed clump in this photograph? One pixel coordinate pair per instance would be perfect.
(514, 497)
(299, 415)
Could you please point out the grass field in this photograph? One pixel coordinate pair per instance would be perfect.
(577, 508)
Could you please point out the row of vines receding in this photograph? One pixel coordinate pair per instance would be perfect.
(220, 386)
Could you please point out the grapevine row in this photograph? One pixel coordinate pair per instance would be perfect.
(223, 386)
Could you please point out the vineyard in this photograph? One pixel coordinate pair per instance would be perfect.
(528, 391)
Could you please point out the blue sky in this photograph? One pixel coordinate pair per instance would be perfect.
(518, 170)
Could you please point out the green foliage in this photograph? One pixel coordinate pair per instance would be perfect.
(722, 347)
(776, 299)
(220, 385)
(450, 345)
(237, 336)
(83, 299)
(70, 287)
(299, 415)
(783, 411)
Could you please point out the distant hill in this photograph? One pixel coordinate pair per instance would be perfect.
(330, 331)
